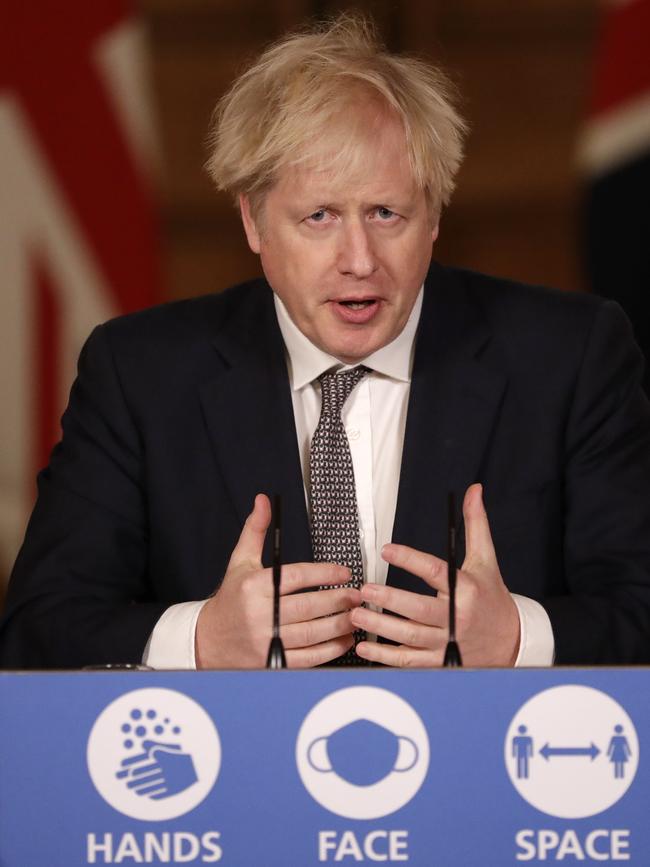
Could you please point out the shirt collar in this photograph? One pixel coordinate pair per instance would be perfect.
(307, 361)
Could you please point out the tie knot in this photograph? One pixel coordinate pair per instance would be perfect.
(336, 388)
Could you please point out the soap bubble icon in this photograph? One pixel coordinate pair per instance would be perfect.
(156, 766)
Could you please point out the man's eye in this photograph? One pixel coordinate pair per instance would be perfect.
(385, 213)
(318, 216)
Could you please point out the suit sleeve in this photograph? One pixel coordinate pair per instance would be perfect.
(80, 592)
(605, 617)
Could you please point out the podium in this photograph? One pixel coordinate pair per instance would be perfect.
(445, 768)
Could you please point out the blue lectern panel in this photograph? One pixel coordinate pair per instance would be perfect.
(436, 768)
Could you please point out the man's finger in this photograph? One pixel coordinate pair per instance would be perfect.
(251, 539)
(319, 603)
(316, 631)
(430, 610)
(299, 576)
(431, 569)
(399, 657)
(319, 654)
(479, 546)
(405, 632)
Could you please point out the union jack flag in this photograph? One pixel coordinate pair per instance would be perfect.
(77, 229)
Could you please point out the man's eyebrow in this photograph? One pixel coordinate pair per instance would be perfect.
(392, 200)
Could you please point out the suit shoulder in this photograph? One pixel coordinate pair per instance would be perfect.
(189, 319)
(533, 330)
(532, 315)
(503, 297)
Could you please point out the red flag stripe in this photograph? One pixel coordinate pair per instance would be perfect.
(623, 70)
(73, 116)
(47, 362)
(53, 68)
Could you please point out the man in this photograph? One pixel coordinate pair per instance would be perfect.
(341, 158)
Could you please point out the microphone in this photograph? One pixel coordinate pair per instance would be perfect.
(276, 658)
(453, 658)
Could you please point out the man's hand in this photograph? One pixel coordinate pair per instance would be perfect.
(487, 621)
(234, 627)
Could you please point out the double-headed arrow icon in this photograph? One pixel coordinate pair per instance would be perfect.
(547, 751)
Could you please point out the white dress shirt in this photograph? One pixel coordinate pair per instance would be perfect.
(374, 417)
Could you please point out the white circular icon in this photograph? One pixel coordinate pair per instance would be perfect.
(362, 752)
(153, 754)
(571, 751)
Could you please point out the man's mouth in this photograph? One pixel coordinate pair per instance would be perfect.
(358, 305)
(356, 311)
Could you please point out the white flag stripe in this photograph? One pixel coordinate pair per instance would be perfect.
(616, 137)
(122, 62)
(36, 227)
(15, 353)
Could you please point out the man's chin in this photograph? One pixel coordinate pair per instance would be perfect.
(354, 351)
(350, 342)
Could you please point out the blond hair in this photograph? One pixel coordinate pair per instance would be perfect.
(308, 88)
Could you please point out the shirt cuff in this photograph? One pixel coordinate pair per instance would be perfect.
(171, 644)
(536, 643)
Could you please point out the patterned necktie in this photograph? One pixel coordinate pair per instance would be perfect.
(334, 516)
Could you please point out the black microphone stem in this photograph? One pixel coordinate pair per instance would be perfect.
(453, 658)
(276, 658)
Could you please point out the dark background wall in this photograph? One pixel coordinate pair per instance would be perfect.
(523, 70)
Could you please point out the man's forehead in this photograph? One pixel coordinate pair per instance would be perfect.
(364, 170)
(349, 186)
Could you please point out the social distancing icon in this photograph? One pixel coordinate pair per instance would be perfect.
(571, 751)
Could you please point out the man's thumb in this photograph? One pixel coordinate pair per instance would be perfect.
(251, 540)
(479, 546)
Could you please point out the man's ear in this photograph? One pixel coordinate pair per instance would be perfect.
(250, 225)
(434, 231)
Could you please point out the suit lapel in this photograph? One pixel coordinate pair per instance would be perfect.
(455, 395)
(249, 416)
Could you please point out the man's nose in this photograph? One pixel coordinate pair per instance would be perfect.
(356, 252)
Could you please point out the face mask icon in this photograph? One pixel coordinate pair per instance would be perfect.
(362, 752)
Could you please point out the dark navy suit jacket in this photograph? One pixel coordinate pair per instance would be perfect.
(182, 413)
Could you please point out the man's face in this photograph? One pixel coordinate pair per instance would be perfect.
(347, 258)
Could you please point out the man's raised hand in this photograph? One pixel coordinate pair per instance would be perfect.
(487, 621)
(234, 626)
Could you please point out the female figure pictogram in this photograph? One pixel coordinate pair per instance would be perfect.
(618, 752)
